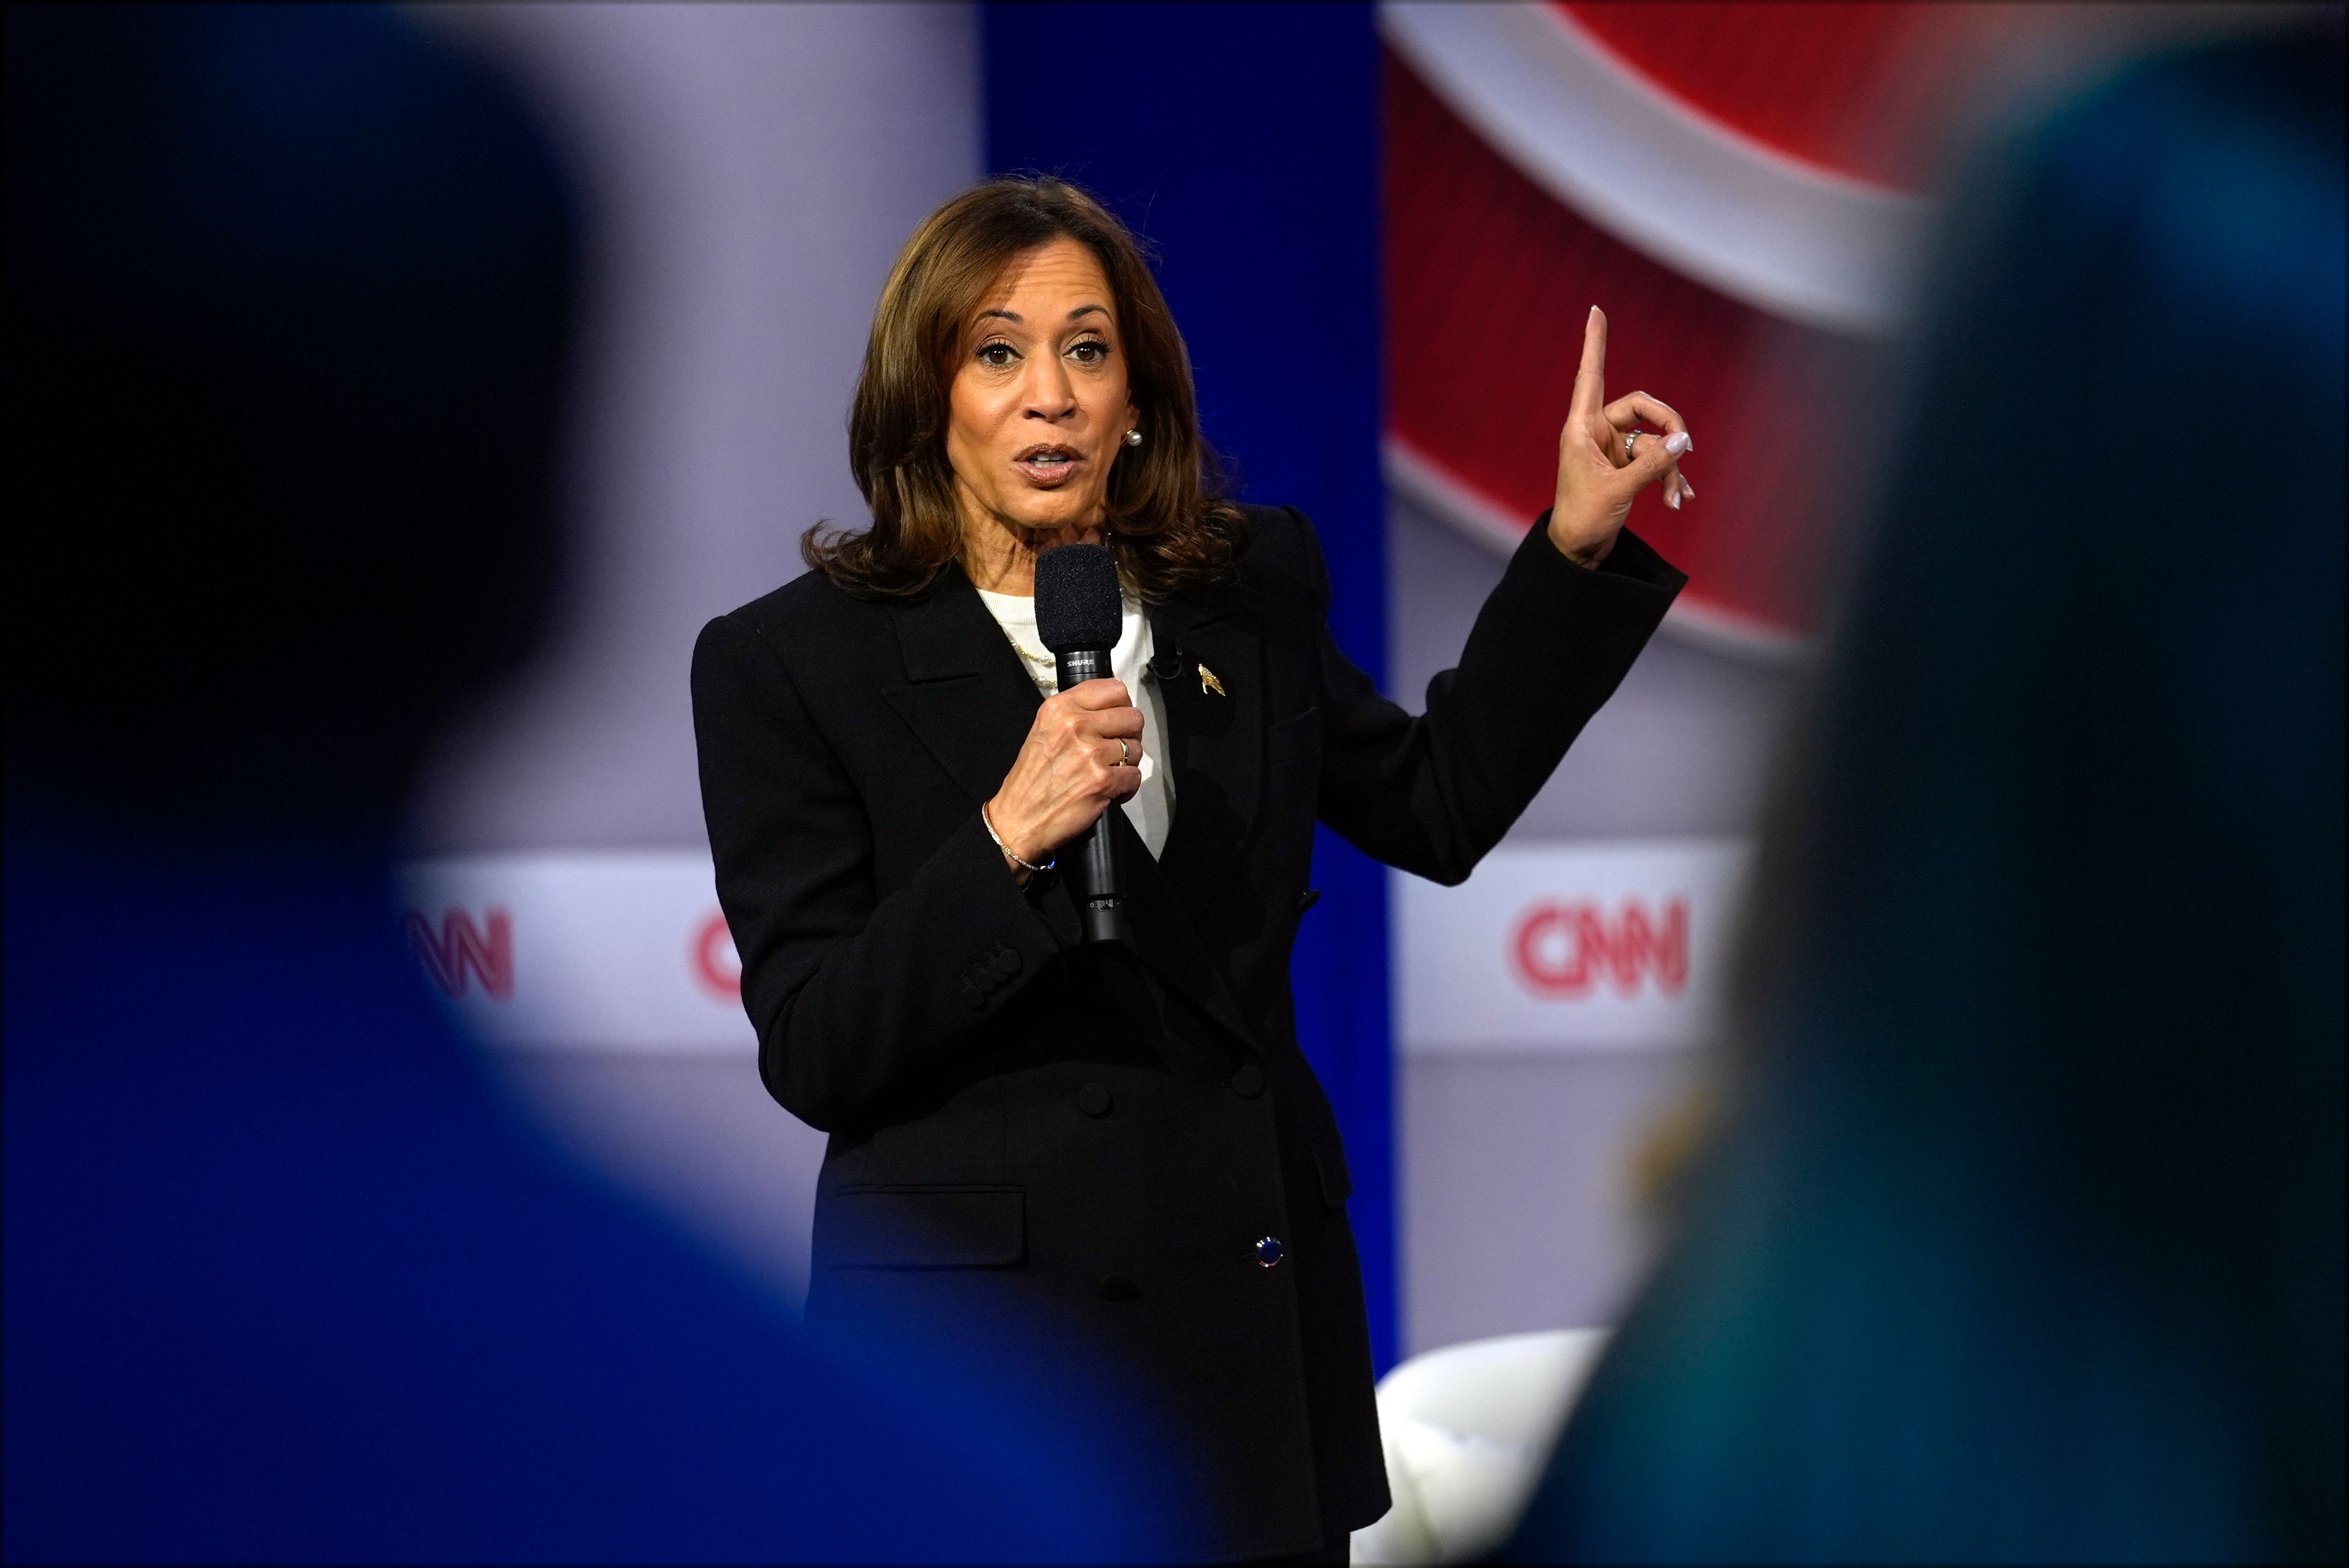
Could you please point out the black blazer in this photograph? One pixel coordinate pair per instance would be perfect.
(1077, 1150)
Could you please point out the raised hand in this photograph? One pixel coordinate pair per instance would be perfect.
(1605, 459)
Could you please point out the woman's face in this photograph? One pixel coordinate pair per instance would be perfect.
(1039, 411)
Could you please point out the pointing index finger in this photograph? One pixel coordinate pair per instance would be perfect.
(1590, 380)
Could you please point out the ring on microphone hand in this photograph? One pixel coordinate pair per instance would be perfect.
(1124, 753)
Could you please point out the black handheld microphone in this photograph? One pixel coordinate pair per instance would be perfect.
(1077, 613)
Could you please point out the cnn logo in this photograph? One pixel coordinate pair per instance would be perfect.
(1563, 949)
(461, 951)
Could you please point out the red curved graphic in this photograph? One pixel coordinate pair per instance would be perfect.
(1488, 280)
(1860, 88)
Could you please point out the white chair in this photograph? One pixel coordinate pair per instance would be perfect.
(1468, 1429)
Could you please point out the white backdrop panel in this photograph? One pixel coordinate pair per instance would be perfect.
(598, 951)
(1570, 946)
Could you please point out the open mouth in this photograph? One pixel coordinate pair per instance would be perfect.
(1047, 464)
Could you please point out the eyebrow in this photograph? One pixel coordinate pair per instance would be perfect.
(1014, 315)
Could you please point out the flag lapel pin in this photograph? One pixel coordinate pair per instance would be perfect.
(1208, 683)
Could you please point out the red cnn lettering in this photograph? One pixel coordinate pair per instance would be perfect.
(461, 948)
(1563, 950)
(714, 962)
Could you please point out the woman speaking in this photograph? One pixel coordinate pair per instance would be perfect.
(1104, 1169)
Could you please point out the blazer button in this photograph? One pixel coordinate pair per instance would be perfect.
(1094, 1099)
(1007, 962)
(1269, 1251)
(1117, 1287)
(1248, 1082)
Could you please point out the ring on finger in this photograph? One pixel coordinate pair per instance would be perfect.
(1629, 437)
(1124, 753)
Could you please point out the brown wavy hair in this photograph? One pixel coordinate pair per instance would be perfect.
(1168, 517)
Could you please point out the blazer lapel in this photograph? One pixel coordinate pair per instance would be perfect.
(966, 693)
(1163, 937)
(1215, 736)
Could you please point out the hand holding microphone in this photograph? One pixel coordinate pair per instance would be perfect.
(1070, 768)
(1084, 752)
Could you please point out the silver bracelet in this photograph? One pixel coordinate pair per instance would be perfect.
(1050, 860)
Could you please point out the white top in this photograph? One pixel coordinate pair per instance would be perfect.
(1151, 808)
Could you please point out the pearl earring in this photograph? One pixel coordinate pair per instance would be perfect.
(1134, 438)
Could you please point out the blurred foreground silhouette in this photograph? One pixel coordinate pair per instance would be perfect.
(2019, 1235)
(289, 297)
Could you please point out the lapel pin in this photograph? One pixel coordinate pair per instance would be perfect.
(1208, 683)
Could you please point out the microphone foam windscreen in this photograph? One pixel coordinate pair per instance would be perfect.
(1077, 603)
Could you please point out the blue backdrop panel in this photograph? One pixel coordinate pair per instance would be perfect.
(1243, 140)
